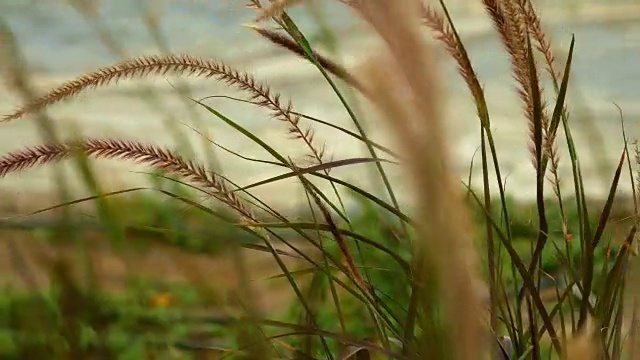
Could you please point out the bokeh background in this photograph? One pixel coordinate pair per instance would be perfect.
(44, 43)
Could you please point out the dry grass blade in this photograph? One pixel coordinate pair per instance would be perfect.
(406, 93)
(342, 244)
(287, 43)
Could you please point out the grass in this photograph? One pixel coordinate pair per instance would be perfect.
(460, 273)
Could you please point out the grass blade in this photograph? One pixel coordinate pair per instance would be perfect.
(311, 169)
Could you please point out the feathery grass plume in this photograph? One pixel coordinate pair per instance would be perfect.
(510, 22)
(543, 43)
(583, 345)
(445, 34)
(405, 91)
(286, 42)
(276, 9)
(156, 157)
(179, 65)
(151, 16)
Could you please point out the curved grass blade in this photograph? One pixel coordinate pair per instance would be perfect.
(629, 163)
(272, 250)
(265, 146)
(606, 211)
(300, 330)
(250, 246)
(339, 337)
(558, 115)
(229, 150)
(321, 267)
(244, 132)
(314, 119)
(355, 352)
(558, 110)
(314, 168)
(78, 201)
(289, 44)
(367, 195)
(526, 277)
(350, 133)
(291, 28)
(351, 234)
(543, 225)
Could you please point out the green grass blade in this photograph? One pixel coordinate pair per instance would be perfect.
(297, 35)
(543, 225)
(526, 277)
(351, 234)
(320, 167)
(606, 211)
(405, 218)
(314, 119)
(264, 145)
(558, 110)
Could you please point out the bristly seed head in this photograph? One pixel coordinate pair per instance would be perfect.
(188, 65)
(156, 157)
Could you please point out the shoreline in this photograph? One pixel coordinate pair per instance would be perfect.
(115, 113)
(471, 28)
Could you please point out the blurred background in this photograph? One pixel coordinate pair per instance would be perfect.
(59, 40)
(44, 43)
